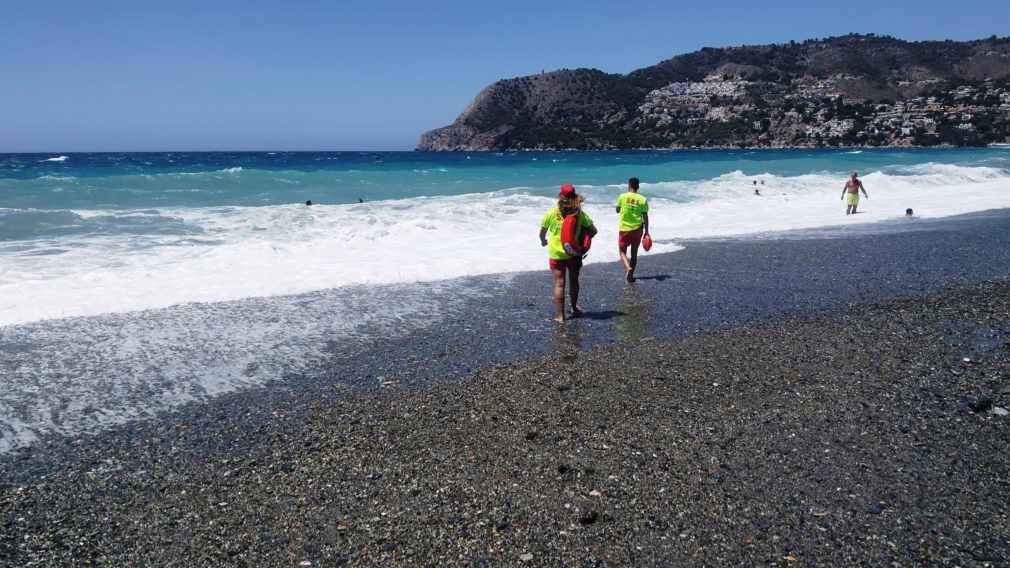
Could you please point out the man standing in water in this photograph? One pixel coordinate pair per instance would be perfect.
(853, 187)
(634, 210)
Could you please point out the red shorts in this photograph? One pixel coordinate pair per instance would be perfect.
(629, 238)
(569, 263)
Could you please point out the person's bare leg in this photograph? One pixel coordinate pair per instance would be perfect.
(559, 293)
(627, 263)
(848, 209)
(573, 291)
(623, 251)
(633, 263)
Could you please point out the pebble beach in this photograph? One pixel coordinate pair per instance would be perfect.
(835, 399)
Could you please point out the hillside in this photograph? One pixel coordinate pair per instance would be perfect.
(853, 90)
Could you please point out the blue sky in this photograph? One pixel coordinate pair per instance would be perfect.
(313, 75)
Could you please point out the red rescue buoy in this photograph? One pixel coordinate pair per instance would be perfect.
(575, 242)
(647, 242)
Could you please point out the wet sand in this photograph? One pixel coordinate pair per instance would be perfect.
(821, 401)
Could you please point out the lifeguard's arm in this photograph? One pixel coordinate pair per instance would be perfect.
(645, 222)
(543, 236)
(617, 209)
(592, 230)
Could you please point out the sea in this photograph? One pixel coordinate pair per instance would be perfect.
(132, 283)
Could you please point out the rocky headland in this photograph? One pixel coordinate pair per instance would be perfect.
(855, 90)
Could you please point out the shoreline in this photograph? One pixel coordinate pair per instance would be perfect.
(713, 284)
(718, 147)
(710, 285)
(814, 439)
(339, 448)
(995, 145)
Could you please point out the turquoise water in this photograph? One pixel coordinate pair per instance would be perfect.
(88, 234)
(144, 180)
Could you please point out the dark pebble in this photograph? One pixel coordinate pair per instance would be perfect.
(823, 385)
(980, 404)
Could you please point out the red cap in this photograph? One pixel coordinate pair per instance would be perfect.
(567, 190)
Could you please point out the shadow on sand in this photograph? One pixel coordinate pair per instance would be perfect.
(658, 277)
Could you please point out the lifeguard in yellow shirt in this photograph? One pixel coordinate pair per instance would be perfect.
(634, 210)
(563, 265)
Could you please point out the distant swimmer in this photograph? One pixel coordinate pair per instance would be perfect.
(757, 192)
(360, 200)
(634, 210)
(563, 265)
(908, 212)
(853, 187)
(309, 202)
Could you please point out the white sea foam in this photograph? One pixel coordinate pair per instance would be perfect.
(56, 159)
(727, 206)
(155, 349)
(269, 251)
(87, 374)
(230, 253)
